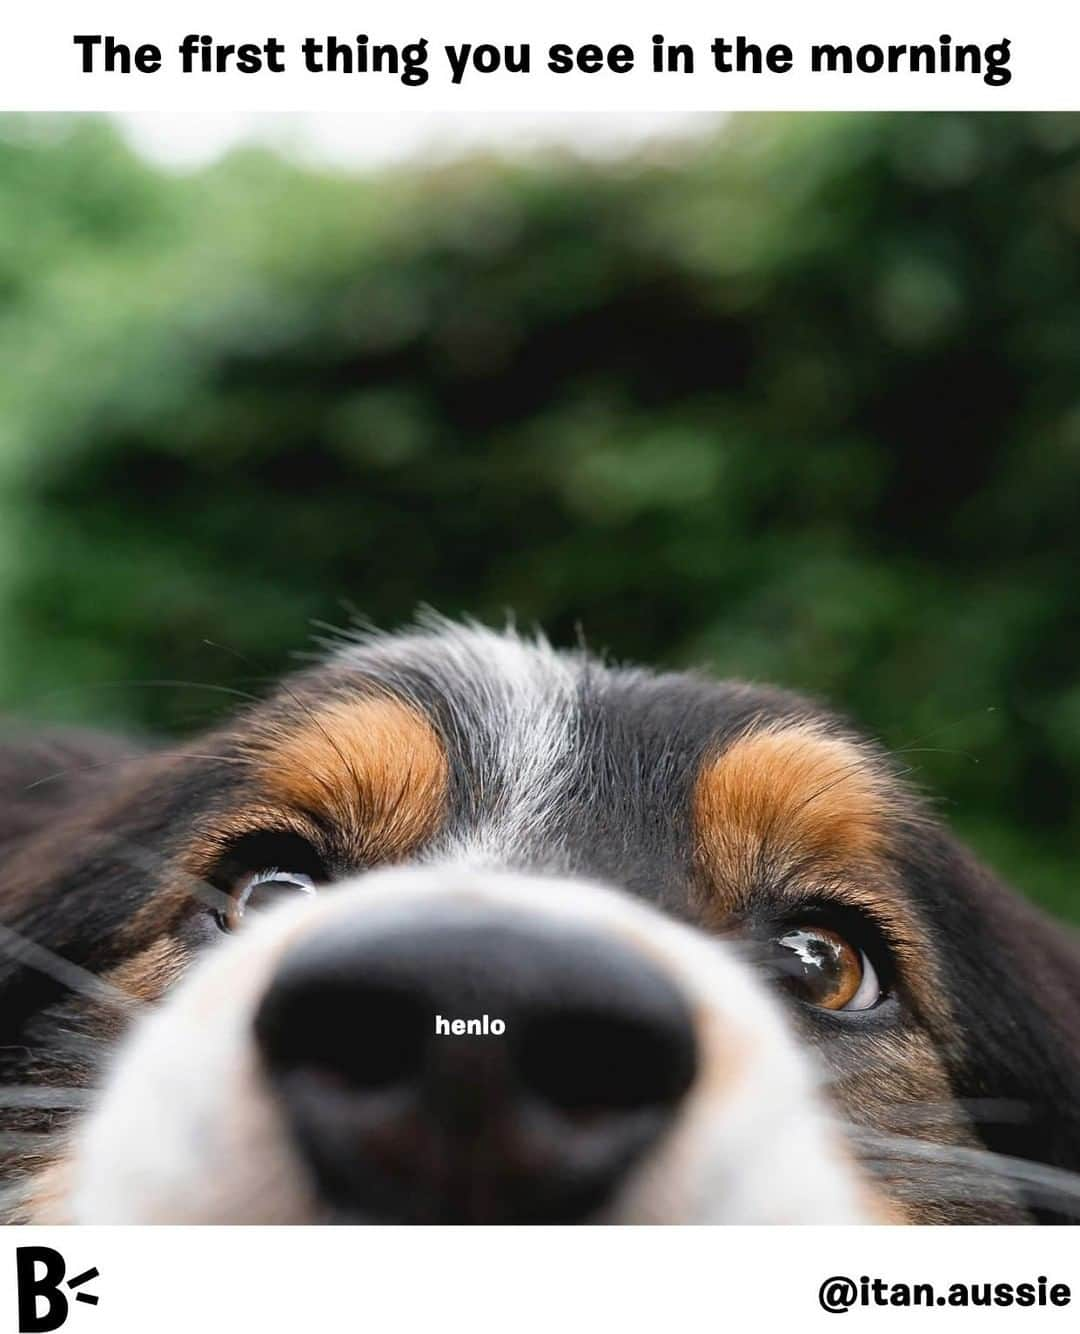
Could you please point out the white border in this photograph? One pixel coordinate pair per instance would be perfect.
(40, 66)
(536, 1281)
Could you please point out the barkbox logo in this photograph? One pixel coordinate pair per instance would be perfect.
(43, 1304)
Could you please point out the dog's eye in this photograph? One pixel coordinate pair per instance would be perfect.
(261, 868)
(262, 890)
(823, 969)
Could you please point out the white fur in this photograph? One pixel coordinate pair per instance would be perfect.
(522, 693)
(187, 1132)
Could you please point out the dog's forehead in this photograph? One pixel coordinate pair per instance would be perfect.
(557, 758)
(489, 690)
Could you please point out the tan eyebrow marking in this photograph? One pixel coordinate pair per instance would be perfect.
(373, 766)
(789, 791)
(791, 796)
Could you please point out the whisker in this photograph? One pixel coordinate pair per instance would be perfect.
(833, 780)
(27, 1142)
(944, 727)
(146, 859)
(1053, 1186)
(129, 759)
(43, 1096)
(141, 683)
(930, 1183)
(76, 1052)
(983, 1111)
(68, 974)
(937, 750)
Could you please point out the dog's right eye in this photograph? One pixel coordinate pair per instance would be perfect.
(262, 890)
(261, 869)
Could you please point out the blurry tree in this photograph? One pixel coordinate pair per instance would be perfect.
(800, 402)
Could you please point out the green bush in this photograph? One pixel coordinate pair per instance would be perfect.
(799, 403)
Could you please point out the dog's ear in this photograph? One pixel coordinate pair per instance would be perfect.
(63, 887)
(1013, 979)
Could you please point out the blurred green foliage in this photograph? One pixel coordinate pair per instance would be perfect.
(799, 402)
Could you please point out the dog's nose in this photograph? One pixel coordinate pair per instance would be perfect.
(477, 1067)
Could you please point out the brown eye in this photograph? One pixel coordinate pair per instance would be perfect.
(822, 969)
(263, 890)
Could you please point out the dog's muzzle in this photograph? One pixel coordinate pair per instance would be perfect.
(446, 1044)
(406, 1105)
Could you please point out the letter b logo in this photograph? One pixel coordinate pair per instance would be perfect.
(42, 1306)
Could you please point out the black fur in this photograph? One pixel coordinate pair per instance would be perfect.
(90, 829)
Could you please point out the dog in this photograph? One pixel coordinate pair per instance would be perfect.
(454, 927)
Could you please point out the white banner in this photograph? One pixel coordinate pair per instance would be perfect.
(566, 54)
(542, 1280)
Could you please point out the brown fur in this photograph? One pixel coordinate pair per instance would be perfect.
(789, 786)
(800, 807)
(373, 766)
(793, 811)
(152, 972)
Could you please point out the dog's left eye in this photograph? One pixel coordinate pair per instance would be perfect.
(262, 890)
(825, 970)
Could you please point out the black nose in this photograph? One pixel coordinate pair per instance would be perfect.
(534, 1115)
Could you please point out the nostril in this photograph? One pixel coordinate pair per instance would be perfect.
(365, 1038)
(590, 1062)
(536, 1120)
